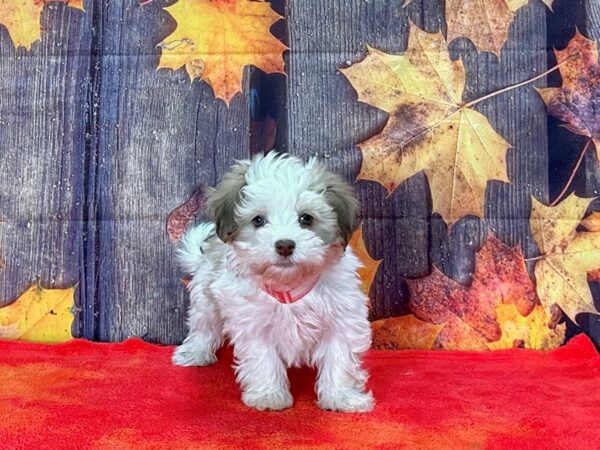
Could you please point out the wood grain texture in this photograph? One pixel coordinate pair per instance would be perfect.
(158, 136)
(325, 119)
(43, 109)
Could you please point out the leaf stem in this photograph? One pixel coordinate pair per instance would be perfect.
(573, 172)
(535, 258)
(514, 86)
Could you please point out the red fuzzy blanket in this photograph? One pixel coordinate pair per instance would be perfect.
(84, 395)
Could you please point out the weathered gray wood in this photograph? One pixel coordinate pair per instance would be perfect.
(326, 119)
(158, 136)
(42, 153)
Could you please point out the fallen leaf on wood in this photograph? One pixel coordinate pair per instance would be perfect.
(370, 265)
(468, 313)
(22, 19)
(179, 219)
(484, 22)
(403, 333)
(216, 39)
(39, 315)
(531, 331)
(577, 101)
(428, 128)
(568, 256)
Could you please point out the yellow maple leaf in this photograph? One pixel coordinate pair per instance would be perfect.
(216, 39)
(550, 226)
(567, 256)
(404, 332)
(370, 265)
(484, 22)
(429, 128)
(22, 19)
(531, 331)
(39, 315)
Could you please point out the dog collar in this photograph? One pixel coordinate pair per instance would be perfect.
(294, 294)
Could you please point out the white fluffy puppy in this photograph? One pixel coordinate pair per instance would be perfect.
(273, 274)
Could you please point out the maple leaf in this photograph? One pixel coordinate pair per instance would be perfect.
(39, 315)
(468, 313)
(484, 22)
(216, 39)
(577, 101)
(403, 333)
(22, 19)
(369, 269)
(179, 219)
(530, 331)
(568, 256)
(429, 129)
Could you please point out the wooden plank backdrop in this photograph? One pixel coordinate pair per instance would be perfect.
(43, 124)
(98, 146)
(158, 136)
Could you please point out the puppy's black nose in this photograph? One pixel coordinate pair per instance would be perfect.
(285, 247)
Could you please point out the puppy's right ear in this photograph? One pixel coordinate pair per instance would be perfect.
(222, 201)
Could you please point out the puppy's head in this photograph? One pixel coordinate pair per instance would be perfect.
(283, 219)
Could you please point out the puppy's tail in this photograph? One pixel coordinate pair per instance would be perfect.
(190, 253)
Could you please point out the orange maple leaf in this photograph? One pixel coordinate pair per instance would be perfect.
(469, 313)
(577, 101)
(22, 19)
(370, 265)
(216, 39)
(403, 333)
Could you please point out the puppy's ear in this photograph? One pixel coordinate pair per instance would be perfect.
(222, 200)
(342, 198)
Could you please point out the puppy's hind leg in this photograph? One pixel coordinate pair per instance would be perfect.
(205, 334)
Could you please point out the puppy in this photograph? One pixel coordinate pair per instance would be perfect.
(273, 274)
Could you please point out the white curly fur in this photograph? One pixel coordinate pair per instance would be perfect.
(327, 328)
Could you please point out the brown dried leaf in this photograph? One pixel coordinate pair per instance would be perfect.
(403, 333)
(468, 313)
(577, 101)
(182, 216)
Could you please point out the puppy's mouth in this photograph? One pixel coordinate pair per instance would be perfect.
(284, 262)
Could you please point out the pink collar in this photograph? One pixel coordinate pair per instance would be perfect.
(294, 294)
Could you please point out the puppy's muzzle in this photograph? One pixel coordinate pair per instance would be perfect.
(285, 247)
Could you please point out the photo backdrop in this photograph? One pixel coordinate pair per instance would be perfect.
(471, 141)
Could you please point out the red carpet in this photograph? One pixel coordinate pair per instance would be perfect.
(83, 395)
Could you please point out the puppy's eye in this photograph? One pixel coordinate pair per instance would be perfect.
(259, 221)
(305, 220)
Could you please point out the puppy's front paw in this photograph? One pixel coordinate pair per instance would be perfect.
(350, 400)
(187, 355)
(275, 401)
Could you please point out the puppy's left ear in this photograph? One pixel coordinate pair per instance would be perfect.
(341, 197)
